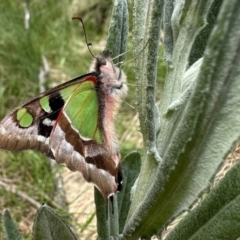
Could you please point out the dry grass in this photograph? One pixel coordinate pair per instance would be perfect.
(80, 198)
(230, 161)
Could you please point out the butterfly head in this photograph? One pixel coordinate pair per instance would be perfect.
(111, 78)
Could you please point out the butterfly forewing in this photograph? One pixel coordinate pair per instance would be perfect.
(82, 110)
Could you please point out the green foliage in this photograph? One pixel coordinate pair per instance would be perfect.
(186, 137)
(118, 31)
(194, 136)
(217, 217)
(49, 226)
(10, 230)
(130, 165)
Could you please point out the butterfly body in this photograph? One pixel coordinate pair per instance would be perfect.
(73, 123)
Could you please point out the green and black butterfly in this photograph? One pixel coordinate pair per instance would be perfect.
(73, 123)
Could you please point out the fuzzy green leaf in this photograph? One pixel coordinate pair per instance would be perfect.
(188, 18)
(218, 216)
(200, 43)
(103, 228)
(10, 230)
(118, 30)
(130, 169)
(49, 226)
(168, 39)
(113, 218)
(147, 23)
(201, 133)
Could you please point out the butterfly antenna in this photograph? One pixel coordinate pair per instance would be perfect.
(126, 62)
(85, 35)
(131, 106)
(119, 55)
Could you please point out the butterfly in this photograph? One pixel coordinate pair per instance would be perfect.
(73, 123)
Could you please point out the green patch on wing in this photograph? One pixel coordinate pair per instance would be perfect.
(82, 109)
(25, 119)
(66, 92)
(44, 102)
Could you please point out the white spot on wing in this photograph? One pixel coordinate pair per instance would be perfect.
(48, 122)
(53, 151)
(41, 138)
(3, 130)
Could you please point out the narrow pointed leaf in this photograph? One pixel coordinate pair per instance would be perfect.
(200, 42)
(113, 217)
(9, 228)
(130, 168)
(49, 226)
(103, 228)
(147, 24)
(188, 18)
(218, 216)
(118, 30)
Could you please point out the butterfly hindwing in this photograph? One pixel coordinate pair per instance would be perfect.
(77, 141)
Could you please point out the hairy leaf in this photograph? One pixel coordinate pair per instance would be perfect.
(217, 216)
(49, 226)
(10, 230)
(130, 168)
(198, 136)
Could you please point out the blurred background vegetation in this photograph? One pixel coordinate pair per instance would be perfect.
(50, 36)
